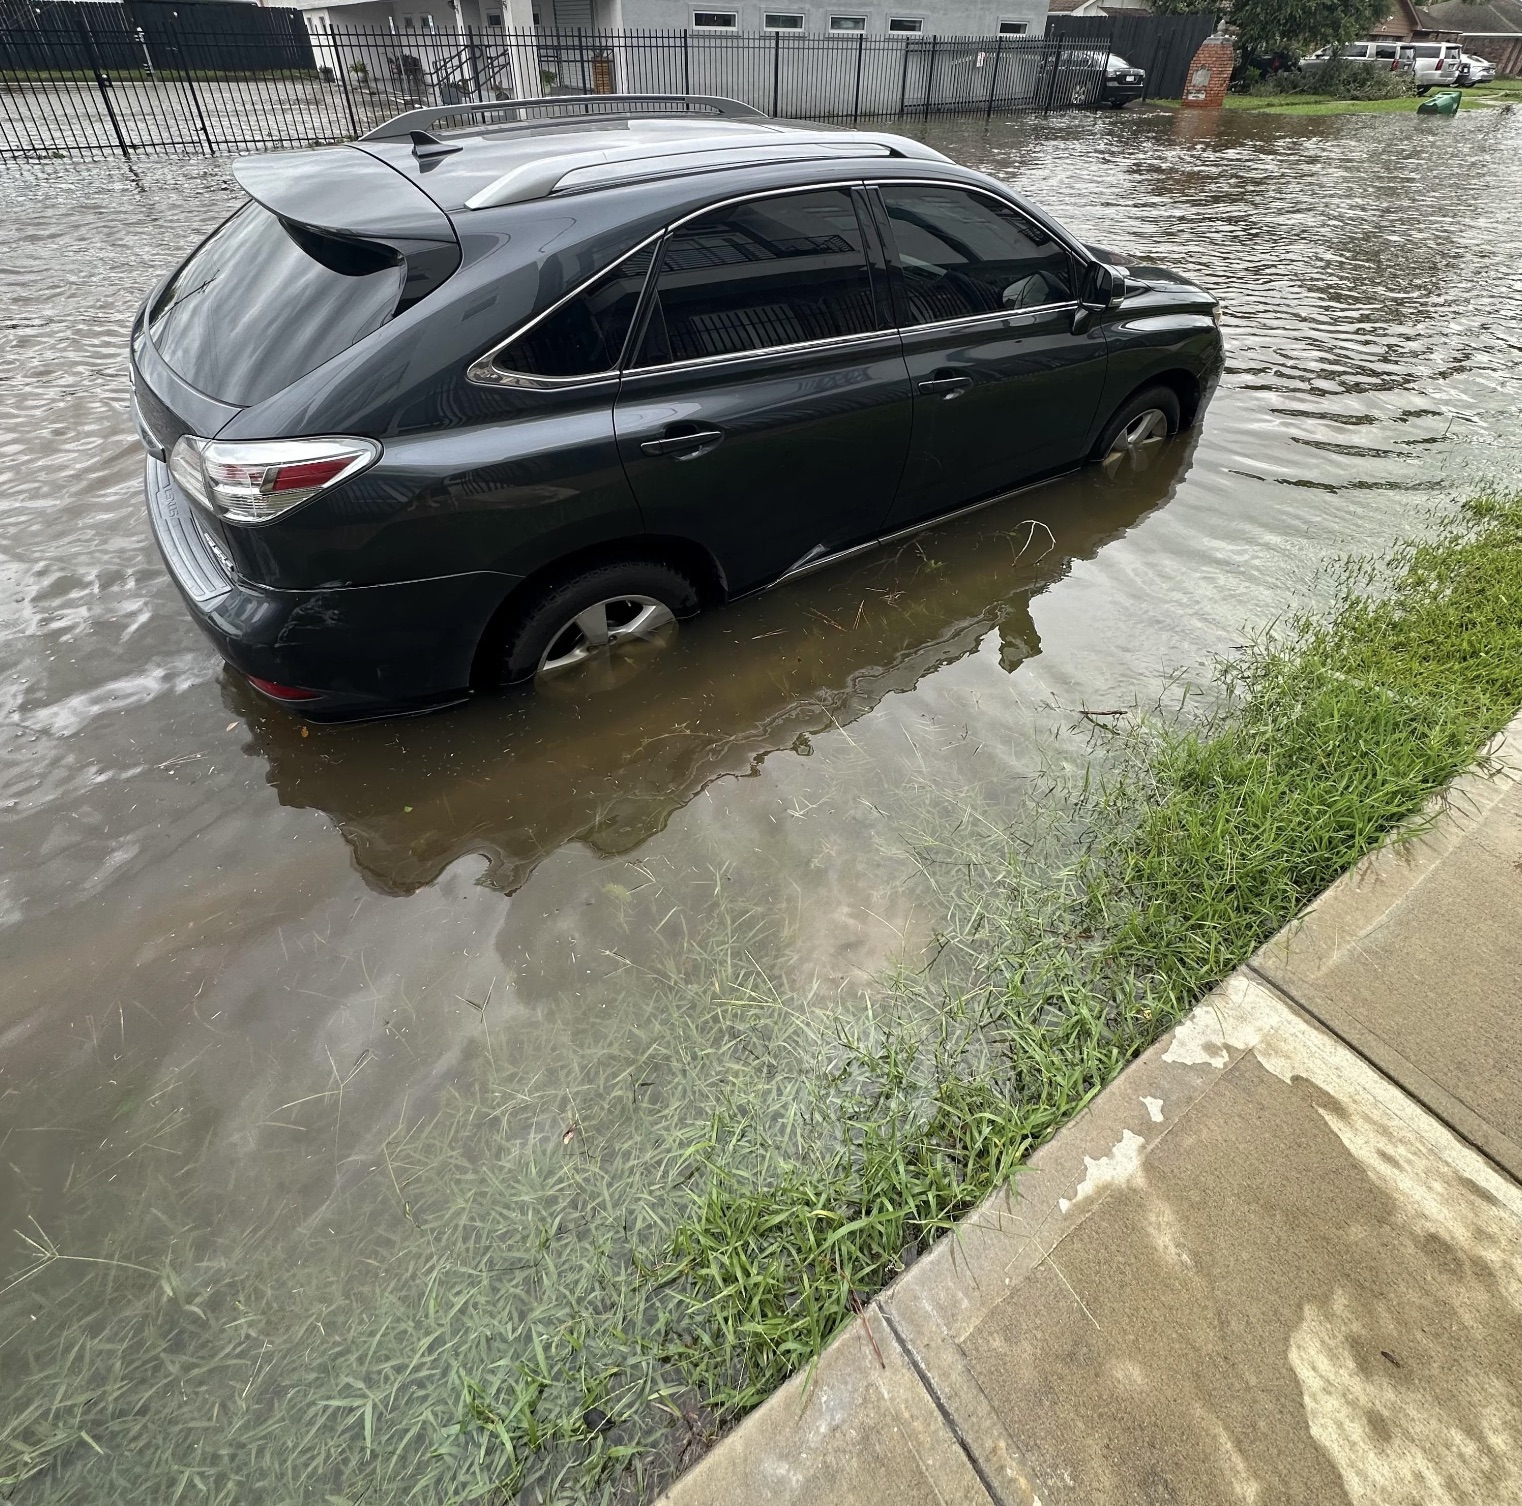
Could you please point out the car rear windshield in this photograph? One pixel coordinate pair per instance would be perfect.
(1427, 52)
(264, 302)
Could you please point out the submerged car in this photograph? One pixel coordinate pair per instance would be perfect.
(446, 409)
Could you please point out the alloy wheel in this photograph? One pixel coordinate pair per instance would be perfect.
(603, 627)
(1138, 442)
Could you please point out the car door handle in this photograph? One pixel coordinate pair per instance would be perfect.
(949, 385)
(684, 446)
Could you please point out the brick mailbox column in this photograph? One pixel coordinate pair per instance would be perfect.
(1209, 73)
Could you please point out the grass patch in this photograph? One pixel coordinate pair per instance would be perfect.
(562, 1294)
(1211, 834)
(1502, 92)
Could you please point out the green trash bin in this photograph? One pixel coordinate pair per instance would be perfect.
(1444, 102)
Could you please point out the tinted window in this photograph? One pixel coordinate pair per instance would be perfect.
(587, 334)
(768, 272)
(963, 253)
(260, 305)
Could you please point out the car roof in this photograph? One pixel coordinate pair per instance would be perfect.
(580, 145)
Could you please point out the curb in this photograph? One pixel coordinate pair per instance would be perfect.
(893, 1411)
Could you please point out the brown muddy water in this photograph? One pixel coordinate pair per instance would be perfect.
(242, 967)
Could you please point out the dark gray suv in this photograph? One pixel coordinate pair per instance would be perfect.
(453, 408)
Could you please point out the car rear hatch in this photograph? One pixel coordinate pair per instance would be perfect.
(331, 245)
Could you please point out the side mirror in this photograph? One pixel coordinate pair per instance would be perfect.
(1104, 286)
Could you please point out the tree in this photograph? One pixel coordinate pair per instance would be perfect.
(1265, 27)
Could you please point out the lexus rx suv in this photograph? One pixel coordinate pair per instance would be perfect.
(450, 408)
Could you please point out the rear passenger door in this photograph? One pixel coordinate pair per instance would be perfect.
(1004, 390)
(766, 410)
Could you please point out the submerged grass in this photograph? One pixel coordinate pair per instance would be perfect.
(563, 1294)
(1212, 830)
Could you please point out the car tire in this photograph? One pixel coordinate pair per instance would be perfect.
(1140, 427)
(1081, 95)
(627, 604)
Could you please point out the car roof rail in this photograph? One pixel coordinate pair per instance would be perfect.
(571, 171)
(578, 108)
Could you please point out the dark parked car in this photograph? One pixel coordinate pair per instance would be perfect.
(1098, 78)
(434, 412)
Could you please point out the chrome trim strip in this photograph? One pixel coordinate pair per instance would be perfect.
(923, 526)
(477, 371)
(1010, 317)
(697, 363)
(483, 373)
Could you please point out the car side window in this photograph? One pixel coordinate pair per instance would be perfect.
(766, 272)
(964, 254)
(585, 335)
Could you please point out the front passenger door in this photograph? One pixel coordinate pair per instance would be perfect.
(1004, 390)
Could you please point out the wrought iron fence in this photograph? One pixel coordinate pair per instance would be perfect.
(68, 87)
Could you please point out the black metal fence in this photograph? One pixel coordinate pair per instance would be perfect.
(157, 79)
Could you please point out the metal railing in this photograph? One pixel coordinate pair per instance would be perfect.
(69, 88)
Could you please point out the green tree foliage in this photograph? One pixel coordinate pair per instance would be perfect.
(1292, 26)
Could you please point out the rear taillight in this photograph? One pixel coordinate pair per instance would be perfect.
(257, 481)
(276, 691)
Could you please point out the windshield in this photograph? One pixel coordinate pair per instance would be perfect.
(1118, 62)
(263, 303)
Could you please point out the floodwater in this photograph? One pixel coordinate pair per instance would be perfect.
(236, 956)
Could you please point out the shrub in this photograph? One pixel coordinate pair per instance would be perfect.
(1339, 79)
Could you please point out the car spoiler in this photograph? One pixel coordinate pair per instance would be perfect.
(346, 195)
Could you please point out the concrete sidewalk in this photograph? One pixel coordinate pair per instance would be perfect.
(1278, 1260)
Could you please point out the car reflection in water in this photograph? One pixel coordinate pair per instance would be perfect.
(606, 753)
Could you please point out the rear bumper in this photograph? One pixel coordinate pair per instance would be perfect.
(364, 650)
(1122, 94)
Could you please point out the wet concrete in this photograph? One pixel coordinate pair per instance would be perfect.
(208, 916)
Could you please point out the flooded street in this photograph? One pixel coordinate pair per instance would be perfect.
(275, 1001)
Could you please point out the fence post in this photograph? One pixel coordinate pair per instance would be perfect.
(930, 74)
(101, 81)
(861, 47)
(343, 78)
(1051, 85)
(190, 83)
(776, 70)
(686, 63)
(903, 83)
(472, 63)
(993, 83)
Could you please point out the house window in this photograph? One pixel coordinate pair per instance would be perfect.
(785, 20)
(494, 20)
(409, 23)
(848, 23)
(905, 23)
(1013, 28)
(717, 19)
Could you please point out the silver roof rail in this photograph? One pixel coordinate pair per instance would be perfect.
(579, 107)
(601, 169)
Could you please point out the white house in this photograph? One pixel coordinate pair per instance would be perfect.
(983, 18)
